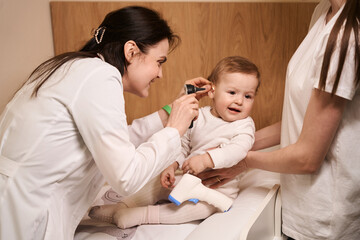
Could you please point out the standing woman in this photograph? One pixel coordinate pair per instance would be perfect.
(320, 143)
(65, 132)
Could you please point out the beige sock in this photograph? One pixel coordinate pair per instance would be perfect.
(105, 213)
(148, 195)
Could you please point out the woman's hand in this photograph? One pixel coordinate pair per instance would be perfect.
(184, 110)
(198, 82)
(218, 177)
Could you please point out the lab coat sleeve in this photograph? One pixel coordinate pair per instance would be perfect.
(143, 128)
(233, 152)
(98, 110)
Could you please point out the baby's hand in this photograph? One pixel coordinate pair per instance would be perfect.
(167, 177)
(197, 164)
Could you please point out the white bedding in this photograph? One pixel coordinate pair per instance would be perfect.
(90, 229)
(254, 187)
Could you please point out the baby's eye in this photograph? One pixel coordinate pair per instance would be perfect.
(248, 96)
(232, 92)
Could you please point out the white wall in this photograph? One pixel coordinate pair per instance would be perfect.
(26, 40)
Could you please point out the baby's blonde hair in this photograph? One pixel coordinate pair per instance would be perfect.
(234, 64)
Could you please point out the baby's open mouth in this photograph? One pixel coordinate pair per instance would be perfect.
(234, 109)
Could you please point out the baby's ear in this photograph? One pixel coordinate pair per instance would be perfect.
(211, 93)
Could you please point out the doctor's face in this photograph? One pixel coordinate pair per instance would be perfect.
(145, 68)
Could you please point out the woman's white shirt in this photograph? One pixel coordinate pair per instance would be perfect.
(324, 205)
(61, 143)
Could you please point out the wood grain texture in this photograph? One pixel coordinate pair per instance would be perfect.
(266, 33)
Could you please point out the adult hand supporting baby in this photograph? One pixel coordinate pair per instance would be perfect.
(217, 177)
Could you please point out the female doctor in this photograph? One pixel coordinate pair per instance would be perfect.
(65, 132)
(320, 144)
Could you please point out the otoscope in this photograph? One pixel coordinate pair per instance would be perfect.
(189, 89)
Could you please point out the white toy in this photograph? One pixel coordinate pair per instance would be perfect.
(190, 188)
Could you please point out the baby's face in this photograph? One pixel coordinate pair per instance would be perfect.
(233, 96)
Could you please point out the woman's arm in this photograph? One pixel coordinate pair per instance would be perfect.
(321, 121)
(267, 137)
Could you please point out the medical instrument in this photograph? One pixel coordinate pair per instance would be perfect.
(190, 188)
(189, 89)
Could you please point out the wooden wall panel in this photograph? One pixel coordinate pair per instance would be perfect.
(266, 33)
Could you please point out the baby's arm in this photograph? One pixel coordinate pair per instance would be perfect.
(197, 164)
(167, 177)
(185, 148)
(236, 149)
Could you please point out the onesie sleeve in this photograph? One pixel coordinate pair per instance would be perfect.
(185, 148)
(233, 152)
(98, 110)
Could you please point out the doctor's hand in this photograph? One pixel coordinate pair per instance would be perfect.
(184, 110)
(217, 177)
(197, 164)
(198, 82)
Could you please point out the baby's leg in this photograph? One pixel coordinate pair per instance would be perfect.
(186, 212)
(151, 193)
(164, 214)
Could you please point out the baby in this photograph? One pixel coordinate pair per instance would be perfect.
(220, 137)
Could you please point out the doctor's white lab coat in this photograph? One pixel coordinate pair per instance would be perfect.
(58, 149)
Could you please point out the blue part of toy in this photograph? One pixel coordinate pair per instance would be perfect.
(194, 200)
(227, 210)
(172, 199)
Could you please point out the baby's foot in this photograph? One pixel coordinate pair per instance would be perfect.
(104, 212)
(101, 213)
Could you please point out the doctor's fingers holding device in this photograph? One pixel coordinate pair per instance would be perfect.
(186, 107)
(199, 85)
(184, 110)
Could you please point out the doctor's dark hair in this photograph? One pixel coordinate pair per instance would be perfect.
(142, 25)
(234, 64)
(349, 18)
